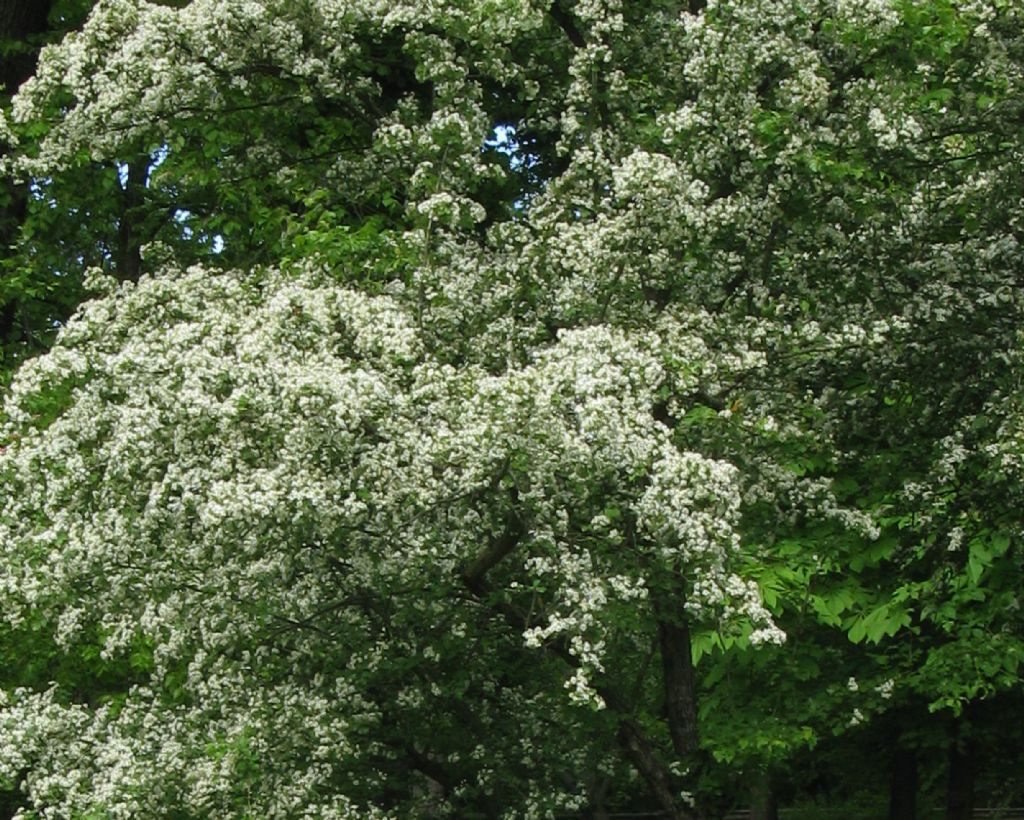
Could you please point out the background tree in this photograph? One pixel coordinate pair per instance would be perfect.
(32, 299)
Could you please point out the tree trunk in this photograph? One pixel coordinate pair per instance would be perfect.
(645, 759)
(129, 237)
(598, 791)
(903, 784)
(763, 804)
(960, 794)
(680, 688)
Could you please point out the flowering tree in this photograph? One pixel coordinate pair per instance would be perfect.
(402, 466)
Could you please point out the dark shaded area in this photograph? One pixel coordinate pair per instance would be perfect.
(22, 22)
(28, 314)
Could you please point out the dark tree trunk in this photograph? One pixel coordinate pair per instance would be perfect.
(903, 784)
(597, 809)
(646, 761)
(680, 688)
(763, 803)
(129, 236)
(960, 793)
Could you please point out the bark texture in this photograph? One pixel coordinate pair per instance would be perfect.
(903, 785)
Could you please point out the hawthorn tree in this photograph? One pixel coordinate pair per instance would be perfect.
(456, 374)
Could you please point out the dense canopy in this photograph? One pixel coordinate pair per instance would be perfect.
(509, 408)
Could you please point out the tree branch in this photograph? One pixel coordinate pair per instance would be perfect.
(567, 24)
(493, 553)
(640, 752)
